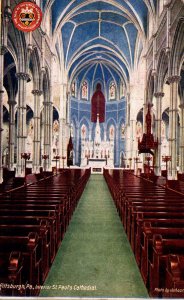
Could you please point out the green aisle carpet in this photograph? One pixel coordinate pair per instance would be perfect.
(95, 258)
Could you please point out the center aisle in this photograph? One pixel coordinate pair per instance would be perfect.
(95, 258)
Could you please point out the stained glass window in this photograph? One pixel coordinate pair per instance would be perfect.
(122, 90)
(73, 91)
(139, 130)
(83, 131)
(85, 90)
(111, 132)
(123, 131)
(112, 91)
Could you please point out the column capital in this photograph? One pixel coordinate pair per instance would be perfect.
(23, 76)
(174, 78)
(12, 102)
(173, 110)
(181, 106)
(3, 50)
(159, 94)
(37, 92)
(167, 3)
(48, 103)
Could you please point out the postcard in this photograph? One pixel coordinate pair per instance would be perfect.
(91, 149)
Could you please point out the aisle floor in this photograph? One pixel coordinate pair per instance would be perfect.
(95, 258)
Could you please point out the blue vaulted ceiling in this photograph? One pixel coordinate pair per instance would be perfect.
(103, 37)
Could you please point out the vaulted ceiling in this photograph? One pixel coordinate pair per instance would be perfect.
(100, 38)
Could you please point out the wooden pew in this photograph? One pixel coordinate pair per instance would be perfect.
(157, 261)
(174, 281)
(30, 249)
(36, 211)
(43, 240)
(138, 218)
(139, 201)
(61, 203)
(147, 243)
(52, 201)
(11, 264)
(131, 205)
(31, 219)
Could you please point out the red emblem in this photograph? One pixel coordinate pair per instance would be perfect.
(27, 16)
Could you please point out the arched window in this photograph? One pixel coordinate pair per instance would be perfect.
(72, 130)
(83, 132)
(55, 137)
(139, 130)
(73, 89)
(123, 131)
(111, 132)
(163, 130)
(85, 90)
(122, 89)
(112, 91)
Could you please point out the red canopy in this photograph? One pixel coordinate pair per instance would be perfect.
(98, 105)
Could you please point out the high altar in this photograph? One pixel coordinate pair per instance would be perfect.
(97, 153)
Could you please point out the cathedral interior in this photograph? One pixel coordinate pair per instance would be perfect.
(132, 50)
(100, 85)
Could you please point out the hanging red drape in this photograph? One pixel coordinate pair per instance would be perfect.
(98, 105)
(70, 152)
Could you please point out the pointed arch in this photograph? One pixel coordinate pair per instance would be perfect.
(177, 48)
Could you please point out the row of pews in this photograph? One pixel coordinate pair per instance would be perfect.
(153, 218)
(33, 221)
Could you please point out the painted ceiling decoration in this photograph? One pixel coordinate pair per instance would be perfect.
(100, 38)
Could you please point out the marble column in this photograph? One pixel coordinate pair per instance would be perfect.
(63, 127)
(12, 104)
(47, 144)
(1, 132)
(181, 147)
(1, 106)
(21, 122)
(77, 160)
(134, 146)
(158, 122)
(116, 148)
(37, 134)
(173, 126)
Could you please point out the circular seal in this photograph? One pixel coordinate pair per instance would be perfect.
(27, 16)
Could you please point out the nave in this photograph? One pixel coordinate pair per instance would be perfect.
(95, 253)
(61, 236)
